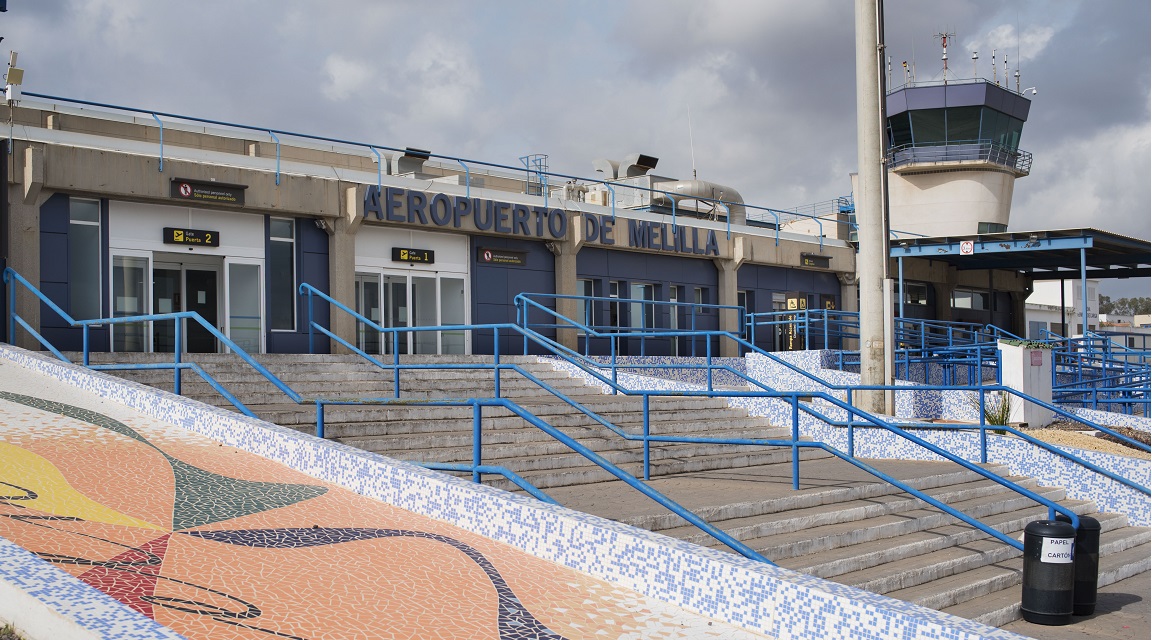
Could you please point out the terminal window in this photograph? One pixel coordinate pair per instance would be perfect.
(281, 274)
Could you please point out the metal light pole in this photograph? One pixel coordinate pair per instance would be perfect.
(872, 261)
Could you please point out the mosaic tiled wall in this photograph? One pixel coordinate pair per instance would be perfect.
(767, 599)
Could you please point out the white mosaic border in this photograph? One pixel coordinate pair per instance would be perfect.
(90, 609)
(766, 599)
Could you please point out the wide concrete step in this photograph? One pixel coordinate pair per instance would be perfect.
(917, 570)
(279, 411)
(837, 544)
(574, 472)
(421, 424)
(416, 434)
(815, 534)
(1007, 515)
(995, 589)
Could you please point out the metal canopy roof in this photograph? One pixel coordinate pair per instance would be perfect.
(1045, 255)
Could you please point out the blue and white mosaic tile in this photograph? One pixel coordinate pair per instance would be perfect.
(90, 608)
(767, 599)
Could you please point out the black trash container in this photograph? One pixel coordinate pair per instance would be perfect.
(1049, 572)
(1087, 564)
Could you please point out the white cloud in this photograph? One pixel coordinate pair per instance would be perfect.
(1099, 181)
(345, 77)
(441, 82)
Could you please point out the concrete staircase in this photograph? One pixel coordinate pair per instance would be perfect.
(842, 524)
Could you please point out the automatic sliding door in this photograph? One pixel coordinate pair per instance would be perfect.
(165, 299)
(245, 324)
(452, 311)
(368, 305)
(395, 305)
(424, 314)
(129, 298)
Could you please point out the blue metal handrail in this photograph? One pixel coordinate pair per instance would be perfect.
(11, 276)
(849, 389)
(854, 413)
(477, 468)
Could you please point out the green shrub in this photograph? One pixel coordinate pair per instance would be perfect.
(997, 408)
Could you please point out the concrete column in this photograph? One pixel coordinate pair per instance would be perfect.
(565, 275)
(1019, 323)
(944, 291)
(342, 264)
(25, 196)
(872, 260)
(726, 271)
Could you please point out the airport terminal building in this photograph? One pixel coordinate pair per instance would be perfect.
(112, 212)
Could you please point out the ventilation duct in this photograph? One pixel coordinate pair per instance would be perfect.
(633, 165)
(410, 161)
(708, 192)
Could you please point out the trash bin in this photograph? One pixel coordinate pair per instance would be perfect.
(1049, 572)
(1087, 564)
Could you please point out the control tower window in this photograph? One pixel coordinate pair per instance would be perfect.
(963, 124)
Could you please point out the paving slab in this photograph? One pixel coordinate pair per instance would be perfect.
(1122, 613)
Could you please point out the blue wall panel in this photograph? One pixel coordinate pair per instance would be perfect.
(664, 271)
(494, 288)
(311, 267)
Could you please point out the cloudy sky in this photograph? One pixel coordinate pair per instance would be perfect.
(770, 84)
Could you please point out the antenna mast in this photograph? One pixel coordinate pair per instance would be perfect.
(691, 142)
(944, 45)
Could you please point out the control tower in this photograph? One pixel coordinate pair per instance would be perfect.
(954, 156)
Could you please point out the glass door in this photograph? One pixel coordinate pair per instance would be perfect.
(130, 298)
(166, 298)
(453, 310)
(201, 295)
(243, 304)
(415, 299)
(395, 312)
(368, 305)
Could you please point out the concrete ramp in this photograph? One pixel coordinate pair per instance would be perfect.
(129, 512)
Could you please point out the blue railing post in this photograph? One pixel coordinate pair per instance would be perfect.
(477, 457)
(851, 426)
(983, 426)
(319, 418)
(396, 362)
(311, 328)
(84, 356)
(11, 282)
(795, 441)
(177, 353)
(613, 344)
(496, 361)
(160, 168)
(708, 359)
(647, 432)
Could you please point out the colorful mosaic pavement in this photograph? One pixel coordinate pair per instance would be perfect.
(215, 542)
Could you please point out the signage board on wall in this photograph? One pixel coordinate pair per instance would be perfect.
(194, 237)
(207, 192)
(501, 256)
(814, 260)
(421, 256)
